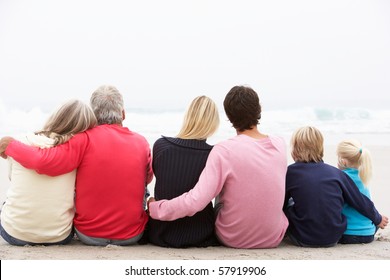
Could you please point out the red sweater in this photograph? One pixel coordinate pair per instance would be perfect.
(113, 166)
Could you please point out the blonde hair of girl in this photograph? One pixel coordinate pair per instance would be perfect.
(201, 119)
(351, 154)
(71, 118)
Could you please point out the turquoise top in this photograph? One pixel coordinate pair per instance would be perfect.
(357, 224)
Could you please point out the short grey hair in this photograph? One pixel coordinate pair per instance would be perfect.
(107, 104)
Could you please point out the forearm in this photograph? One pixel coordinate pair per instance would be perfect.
(26, 155)
(182, 206)
(53, 161)
(361, 203)
(208, 187)
(370, 211)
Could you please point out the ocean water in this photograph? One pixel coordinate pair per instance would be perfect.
(370, 126)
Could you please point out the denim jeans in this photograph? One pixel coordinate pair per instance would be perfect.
(17, 242)
(96, 241)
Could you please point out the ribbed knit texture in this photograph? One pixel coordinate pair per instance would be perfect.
(177, 165)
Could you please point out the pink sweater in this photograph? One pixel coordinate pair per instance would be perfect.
(247, 178)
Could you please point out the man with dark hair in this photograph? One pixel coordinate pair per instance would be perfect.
(246, 174)
(242, 107)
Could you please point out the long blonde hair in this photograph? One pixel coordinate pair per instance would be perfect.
(307, 145)
(71, 118)
(351, 154)
(201, 119)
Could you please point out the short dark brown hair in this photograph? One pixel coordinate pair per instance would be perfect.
(242, 107)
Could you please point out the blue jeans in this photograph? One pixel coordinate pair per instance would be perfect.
(96, 241)
(17, 242)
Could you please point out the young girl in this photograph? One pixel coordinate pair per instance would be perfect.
(318, 192)
(39, 209)
(355, 161)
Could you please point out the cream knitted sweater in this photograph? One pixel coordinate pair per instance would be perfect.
(38, 208)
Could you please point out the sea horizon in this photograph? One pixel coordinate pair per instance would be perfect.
(370, 126)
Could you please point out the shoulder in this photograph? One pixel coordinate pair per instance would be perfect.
(278, 143)
(81, 137)
(161, 144)
(277, 140)
(333, 172)
(118, 131)
(37, 140)
(315, 167)
(223, 149)
(163, 140)
(135, 135)
(139, 137)
(351, 172)
(191, 144)
(229, 146)
(225, 145)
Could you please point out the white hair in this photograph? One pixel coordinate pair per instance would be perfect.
(107, 104)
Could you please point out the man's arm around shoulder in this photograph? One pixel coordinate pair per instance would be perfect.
(54, 161)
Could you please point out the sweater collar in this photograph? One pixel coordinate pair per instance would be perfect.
(189, 143)
(351, 170)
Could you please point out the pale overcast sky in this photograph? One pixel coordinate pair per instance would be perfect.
(164, 53)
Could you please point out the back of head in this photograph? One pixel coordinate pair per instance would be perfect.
(107, 104)
(307, 145)
(351, 154)
(71, 118)
(242, 107)
(201, 119)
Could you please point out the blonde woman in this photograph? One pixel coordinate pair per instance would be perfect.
(316, 193)
(355, 161)
(177, 165)
(39, 209)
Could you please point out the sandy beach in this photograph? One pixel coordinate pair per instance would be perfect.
(378, 250)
